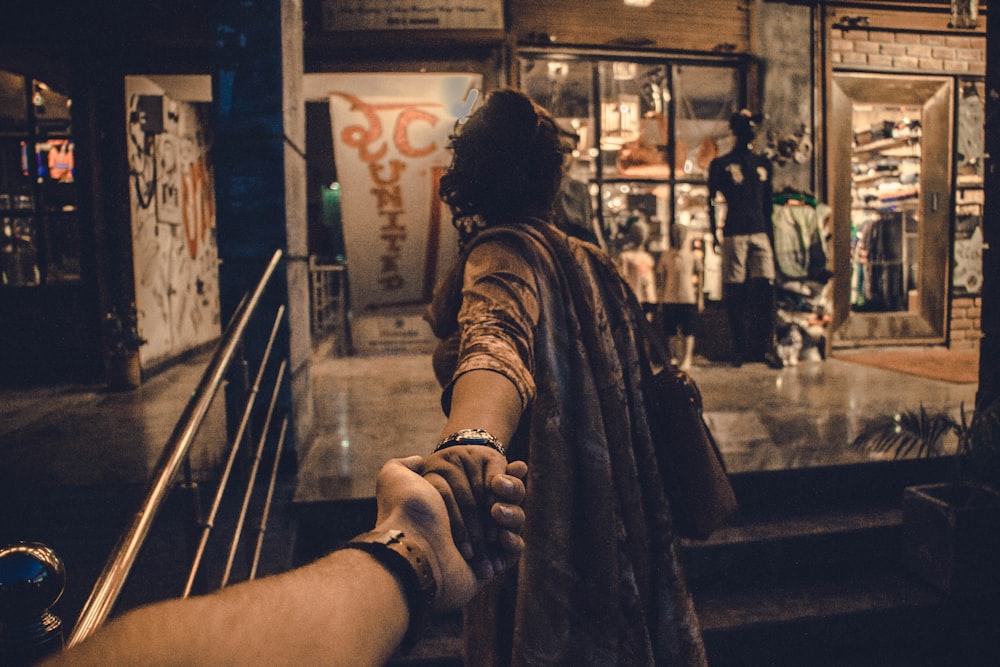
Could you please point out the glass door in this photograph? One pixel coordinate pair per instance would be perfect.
(891, 207)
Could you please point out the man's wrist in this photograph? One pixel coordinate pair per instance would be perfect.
(408, 559)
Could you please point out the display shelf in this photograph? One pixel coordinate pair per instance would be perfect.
(862, 179)
(881, 145)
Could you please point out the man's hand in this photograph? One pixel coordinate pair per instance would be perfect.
(412, 504)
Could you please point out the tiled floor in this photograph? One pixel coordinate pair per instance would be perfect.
(807, 415)
(371, 409)
(82, 435)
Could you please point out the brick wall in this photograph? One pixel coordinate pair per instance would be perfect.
(966, 319)
(908, 52)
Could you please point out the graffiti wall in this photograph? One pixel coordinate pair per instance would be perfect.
(173, 221)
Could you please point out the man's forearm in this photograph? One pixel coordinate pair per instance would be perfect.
(344, 609)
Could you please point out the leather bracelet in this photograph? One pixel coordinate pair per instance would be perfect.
(408, 564)
(472, 436)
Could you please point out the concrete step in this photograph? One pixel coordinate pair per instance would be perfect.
(807, 574)
(832, 487)
(779, 544)
(845, 617)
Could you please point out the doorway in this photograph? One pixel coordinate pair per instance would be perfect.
(890, 138)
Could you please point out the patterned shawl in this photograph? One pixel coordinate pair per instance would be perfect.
(600, 581)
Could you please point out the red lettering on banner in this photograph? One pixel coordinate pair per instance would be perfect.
(402, 139)
(397, 168)
(360, 137)
(371, 147)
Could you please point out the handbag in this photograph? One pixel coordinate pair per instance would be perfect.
(690, 465)
(694, 476)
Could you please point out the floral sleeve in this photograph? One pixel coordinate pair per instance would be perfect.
(499, 314)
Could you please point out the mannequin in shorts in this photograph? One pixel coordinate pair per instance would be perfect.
(743, 178)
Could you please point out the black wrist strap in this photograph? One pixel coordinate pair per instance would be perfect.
(413, 572)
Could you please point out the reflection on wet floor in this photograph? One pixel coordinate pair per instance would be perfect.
(808, 414)
(370, 409)
(367, 410)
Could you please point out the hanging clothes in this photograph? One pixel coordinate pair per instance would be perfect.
(883, 284)
(799, 240)
(800, 255)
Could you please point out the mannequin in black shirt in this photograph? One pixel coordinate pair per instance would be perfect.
(744, 180)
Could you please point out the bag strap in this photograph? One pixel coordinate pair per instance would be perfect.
(656, 342)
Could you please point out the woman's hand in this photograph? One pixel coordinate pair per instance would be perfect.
(466, 477)
(508, 514)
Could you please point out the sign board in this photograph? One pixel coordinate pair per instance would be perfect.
(373, 335)
(353, 15)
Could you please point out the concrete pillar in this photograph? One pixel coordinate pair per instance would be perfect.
(260, 174)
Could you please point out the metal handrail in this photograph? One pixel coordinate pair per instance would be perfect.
(112, 579)
(231, 461)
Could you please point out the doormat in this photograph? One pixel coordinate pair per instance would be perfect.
(933, 363)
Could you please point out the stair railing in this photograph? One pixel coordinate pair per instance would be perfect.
(328, 297)
(112, 579)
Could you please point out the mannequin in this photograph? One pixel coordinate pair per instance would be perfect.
(743, 178)
(679, 270)
(637, 266)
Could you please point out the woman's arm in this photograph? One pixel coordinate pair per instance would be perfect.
(492, 385)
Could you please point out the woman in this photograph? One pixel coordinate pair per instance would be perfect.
(539, 360)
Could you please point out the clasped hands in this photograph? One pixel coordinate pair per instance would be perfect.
(464, 505)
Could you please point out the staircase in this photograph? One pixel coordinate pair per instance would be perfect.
(808, 574)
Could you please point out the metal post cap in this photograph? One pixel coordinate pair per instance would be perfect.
(32, 579)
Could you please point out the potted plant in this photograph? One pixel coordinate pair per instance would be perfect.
(951, 530)
(121, 334)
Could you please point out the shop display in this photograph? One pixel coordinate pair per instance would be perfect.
(645, 133)
(885, 208)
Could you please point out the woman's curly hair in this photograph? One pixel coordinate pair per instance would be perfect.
(507, 163)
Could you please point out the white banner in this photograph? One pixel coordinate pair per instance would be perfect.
(390, 139)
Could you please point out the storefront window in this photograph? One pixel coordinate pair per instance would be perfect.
(625, 203)
(633, 118)
(39, 233)
(967, 274)
(646, 131)
(565, 88)
(706, 97)
(971, 132)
